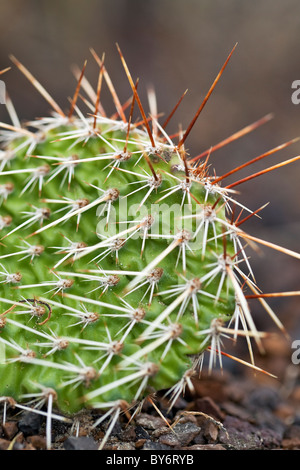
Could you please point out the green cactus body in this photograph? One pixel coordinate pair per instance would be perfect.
(105, 308)
(120, 262)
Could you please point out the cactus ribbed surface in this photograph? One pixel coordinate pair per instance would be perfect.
(122, 258)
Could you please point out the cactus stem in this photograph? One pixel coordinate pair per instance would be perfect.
(38, 215)
(112, 348)
(81, 374)
(36, 308)
(91, 301)
(181, 240)
(105, 198)
(85, 317)
(211, 282)
(192, 288)
(25, 354)
(31, 251)
(208, 216)
(74, 205)
(152, 181)
(72, 250)
(167, 335)
(153, 279)
(181, 299)
(59, 286)
(55, 341)
(39, 174)
(183, 186)
(145, 370)
(5, 190)
(5, 159)
(67, 164)
(110, 241)
(213, 335)
(9, 277)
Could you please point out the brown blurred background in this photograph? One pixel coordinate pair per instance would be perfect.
(175, 45)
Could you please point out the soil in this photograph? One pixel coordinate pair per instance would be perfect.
(235, 408)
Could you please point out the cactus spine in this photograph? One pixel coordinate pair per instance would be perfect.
(122, 261)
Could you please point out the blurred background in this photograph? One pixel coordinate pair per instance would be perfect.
(176, 45)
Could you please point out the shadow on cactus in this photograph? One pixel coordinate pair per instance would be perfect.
(123, 259)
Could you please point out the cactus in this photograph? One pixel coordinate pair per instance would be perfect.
(122, 259)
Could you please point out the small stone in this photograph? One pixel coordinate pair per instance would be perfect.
(187, 417)
(236, 410)
(80, 443)
(149, 421)
(38, 442)
(169, 439)
(128, 434)
(209, 429)
(30, 424)
(285, 412)
(295, 395)
(208, 406)
(10, 429)
(25, 446)
(200, 439)
(159, 432)
(141, 433)
(139, 444)
(291, 437)
(149, 445)
(270, 438)
(239, 435)
(264, 397)
(211, 432)
(183, 434)
(124, 446)
(186, 432)
(289, 444)
(213, 386)
(292, 432)
(4, 444)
